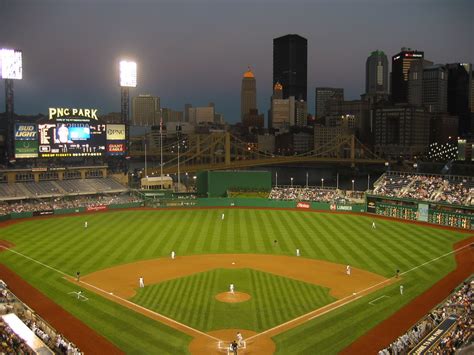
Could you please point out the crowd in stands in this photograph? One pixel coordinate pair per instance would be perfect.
(11, 343)
(313, 194)
(459, 305)
(429, 188)
(66, 203)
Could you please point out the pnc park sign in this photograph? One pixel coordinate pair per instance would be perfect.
(58, 112)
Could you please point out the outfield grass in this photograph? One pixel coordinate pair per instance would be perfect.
(126, 236)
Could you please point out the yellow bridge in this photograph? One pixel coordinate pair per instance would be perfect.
(223, 151)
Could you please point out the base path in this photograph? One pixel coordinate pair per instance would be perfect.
(121, 283)
(122, 280)
(390, 329)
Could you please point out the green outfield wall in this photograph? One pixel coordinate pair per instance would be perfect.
(217, 183)
(423, 211)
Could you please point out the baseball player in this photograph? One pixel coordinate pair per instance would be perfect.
(298, 252)
(78, 276)
(173, 255)
(223, 215)
(373, 225)
(240, 339)
(85, 224)
(141, 282)
(231, 288)
(401, 289)
(348, 270)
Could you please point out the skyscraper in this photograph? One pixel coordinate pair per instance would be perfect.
(290, 65)
(323, 95)
(401, 63)
(376, 74)
(248, 94)
(145, 110)
(459, 87)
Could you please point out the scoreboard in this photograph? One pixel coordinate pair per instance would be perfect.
(71, 139)
(69, 132)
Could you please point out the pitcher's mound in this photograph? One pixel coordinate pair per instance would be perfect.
(232, 297)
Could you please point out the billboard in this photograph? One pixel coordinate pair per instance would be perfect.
(26, 140)
(128, 74)
(10, 64)
(115, 132)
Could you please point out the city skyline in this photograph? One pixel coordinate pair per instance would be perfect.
(183, 59)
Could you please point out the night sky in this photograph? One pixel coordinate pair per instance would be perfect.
(196, 51)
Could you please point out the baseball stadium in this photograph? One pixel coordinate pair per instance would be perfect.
(90, 265)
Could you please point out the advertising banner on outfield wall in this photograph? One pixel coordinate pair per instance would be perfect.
(423, 212)
(43, 213)
(303, 205)
(96, 208)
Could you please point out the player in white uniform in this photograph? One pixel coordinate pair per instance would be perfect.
(298, 252)
(85, 224)
(240, 339)
(173, 255)
(231, 288)
(223, 215)
(373, 225)
(141, 282)
(348, 269)
(401, 289)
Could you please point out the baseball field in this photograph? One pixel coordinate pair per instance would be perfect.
(283, 303)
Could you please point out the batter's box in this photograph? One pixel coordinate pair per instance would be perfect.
(378, 300)
(225, 346)
(79, 296)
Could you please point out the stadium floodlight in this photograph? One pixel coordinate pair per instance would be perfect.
(11, 64)
(128, 74)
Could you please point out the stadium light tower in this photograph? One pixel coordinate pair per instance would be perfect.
(11, 68)
(128, 79)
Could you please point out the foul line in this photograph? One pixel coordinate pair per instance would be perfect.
(109, 294)
(332, 306)
(378, 298)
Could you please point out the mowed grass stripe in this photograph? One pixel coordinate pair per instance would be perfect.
(61, 243)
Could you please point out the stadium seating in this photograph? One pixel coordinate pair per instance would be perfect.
(458, 306)
(11, 343)
(435, 188)
(42, 189)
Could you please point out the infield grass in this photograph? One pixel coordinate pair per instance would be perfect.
(127, 236)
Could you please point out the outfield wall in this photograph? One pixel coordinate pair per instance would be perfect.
(423, 211)
(253, 202)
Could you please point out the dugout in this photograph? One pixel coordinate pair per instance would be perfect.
(216, 183)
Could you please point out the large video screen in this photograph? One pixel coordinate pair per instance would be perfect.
(72, 139)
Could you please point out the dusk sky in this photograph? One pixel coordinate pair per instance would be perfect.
(196, 51)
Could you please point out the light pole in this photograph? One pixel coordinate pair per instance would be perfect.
(128, 79)
(306, 179)
(352, 185)
(337, 181)
(276, 178)
(291, 181)
(368, 182)
(322, 182)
